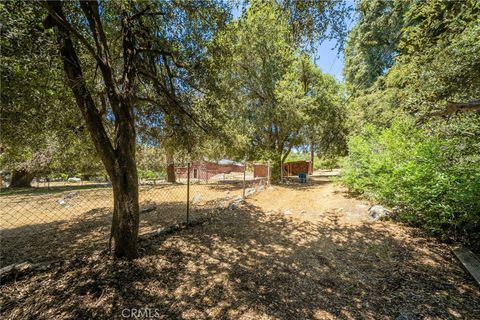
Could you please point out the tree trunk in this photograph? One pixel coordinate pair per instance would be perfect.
(275, 174)
(119, 158)
(125, 220)
(124, 178)
(21, 179)
(170, 168)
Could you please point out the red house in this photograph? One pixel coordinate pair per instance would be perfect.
(204, 170)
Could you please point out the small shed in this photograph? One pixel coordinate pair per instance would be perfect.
(260, 170)
(293, 168)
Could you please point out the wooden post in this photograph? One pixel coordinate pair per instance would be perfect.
(469, 261)
(188, 192)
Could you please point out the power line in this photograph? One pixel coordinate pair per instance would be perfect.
(336, 56)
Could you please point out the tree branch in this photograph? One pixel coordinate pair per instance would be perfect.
(64, 23)
(145, 12)
(90, 9)
(169, 54)
(155, 102)
(452, 108)
(162, 88)
(129, 70)
(82, 94)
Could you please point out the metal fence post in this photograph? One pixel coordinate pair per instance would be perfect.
(244, 173)
(281, 170)
(268, 173)
(188, 192)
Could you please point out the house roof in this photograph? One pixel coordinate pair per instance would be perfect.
(228, 162)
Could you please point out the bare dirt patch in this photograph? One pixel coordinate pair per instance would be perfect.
(319, 200)
(256, 262)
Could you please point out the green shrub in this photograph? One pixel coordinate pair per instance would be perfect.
(330, 162)
(327, 163)
(149, 174)
(434, 180)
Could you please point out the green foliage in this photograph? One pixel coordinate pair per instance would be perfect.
(250, 58)
(318, 163)
(297, 156)
(175, 114)
(41, 130)
(274, 97)
(329, 163)
(429, 168)
(434, 182)
(150, 174)
(439, 59)
(373, 43)
(151, 162)
(188, 87)
(310, 21)
(435, 45)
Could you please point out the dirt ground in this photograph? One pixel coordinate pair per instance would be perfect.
(325, 201)
(37, 206)
(291, 252)
(36, 228)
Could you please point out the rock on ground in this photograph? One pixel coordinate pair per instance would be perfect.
(378, 212)
(238, 199)
(196, 198)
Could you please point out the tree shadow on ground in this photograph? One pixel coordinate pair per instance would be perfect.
(349, 194)
(248, 264)
(80, 234)
(295, 184)
(304, 186)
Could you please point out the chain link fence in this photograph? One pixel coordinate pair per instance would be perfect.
(56, 218)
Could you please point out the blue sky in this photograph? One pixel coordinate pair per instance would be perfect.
(327, 58)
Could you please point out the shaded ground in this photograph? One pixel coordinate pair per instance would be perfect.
(256, 262)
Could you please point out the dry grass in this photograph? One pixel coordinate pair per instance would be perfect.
(257, 263)
(36, 228)
(36, 206)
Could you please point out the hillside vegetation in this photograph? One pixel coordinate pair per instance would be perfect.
(415, 125)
